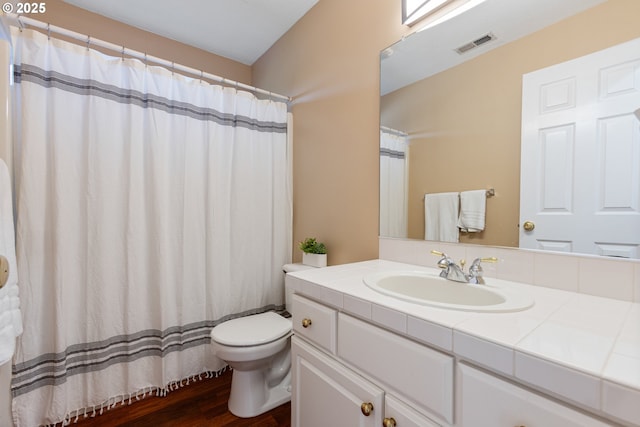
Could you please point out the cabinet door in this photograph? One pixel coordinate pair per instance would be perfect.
(489, 401)
(403, 415)
(325, 393)
(419, 375)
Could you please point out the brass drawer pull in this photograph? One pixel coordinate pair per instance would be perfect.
(366, 408)
(389, 422)
(306, 323)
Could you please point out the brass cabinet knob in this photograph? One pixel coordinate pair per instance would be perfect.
(528, 226)
(389, 422)
(306, 323)
(366, 408)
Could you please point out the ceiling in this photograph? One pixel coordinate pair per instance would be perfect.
(432, 49)
(241, 30)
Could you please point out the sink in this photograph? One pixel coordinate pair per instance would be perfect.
(430, 289)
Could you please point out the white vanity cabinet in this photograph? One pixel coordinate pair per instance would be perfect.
(486, 400)
(420, 366)
(327, 390)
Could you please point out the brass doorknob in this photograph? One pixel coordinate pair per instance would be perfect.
(528, 226)
(306, 323)
(389, 422)
(366, 408)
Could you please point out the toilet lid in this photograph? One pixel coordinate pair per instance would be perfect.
(251, 330)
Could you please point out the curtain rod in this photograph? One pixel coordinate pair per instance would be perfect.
(88, 40)
(393, 131)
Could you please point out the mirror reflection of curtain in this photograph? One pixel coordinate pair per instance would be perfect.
(393, 183)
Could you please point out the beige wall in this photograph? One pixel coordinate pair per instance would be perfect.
(465, 123)
(79, 20)
(329, 63)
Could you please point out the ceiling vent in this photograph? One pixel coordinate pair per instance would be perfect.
(474, 44)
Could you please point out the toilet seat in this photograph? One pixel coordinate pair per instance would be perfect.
(251, 330)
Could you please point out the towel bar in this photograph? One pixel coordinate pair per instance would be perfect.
(490, 193)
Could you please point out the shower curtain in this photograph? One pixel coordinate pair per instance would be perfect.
(150, 207)
(393, 184)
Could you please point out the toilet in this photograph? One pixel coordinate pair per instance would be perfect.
(257, 347)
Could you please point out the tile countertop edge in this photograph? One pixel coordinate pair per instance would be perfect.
(589, 394)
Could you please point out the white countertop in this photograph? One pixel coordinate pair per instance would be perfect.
(580, 348)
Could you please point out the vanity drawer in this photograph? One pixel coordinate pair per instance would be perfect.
(486, 400)
(315, 322)
(422, 376)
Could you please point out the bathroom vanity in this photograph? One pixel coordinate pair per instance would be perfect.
(362, 358)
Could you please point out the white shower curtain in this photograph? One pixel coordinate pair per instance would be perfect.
(150, 207)
(393, 183)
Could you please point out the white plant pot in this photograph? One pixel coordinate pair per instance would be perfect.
(314, 260)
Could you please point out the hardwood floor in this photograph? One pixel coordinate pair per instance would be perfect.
(200, 404)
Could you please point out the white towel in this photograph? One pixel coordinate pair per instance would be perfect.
(441, 216)
(472, 210)
(10, 317)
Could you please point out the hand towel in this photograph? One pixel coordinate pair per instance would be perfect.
(10, 316)
(472, 210)
(441, 216)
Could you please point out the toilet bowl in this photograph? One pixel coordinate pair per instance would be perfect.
(257, 347)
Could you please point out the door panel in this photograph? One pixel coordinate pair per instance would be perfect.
(580, 166)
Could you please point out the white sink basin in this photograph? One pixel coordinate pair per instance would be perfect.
(430, 289)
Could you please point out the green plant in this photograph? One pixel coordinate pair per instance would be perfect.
(311, 246)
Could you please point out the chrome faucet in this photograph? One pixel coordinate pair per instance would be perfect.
(455, 272)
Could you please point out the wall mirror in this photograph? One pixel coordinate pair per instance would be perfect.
(451, 115)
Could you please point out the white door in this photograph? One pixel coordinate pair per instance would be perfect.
(580, 165)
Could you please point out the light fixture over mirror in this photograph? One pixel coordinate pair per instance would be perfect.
(414, 10)
(462, 113)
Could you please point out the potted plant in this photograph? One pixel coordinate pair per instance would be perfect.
(314, 253)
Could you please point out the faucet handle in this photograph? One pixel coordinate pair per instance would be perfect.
(475, 271)
(444, 263)
(477, 261)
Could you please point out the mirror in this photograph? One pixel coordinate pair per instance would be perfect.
(460, 113)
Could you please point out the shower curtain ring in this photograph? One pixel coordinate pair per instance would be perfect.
(122, 53)
(48, 31)
(88, 42)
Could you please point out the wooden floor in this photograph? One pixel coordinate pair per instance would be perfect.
(200, 404)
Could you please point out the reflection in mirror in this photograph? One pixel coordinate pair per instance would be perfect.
(462, 112)
(393, 182)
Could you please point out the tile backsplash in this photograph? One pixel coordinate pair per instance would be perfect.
(604, 277)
